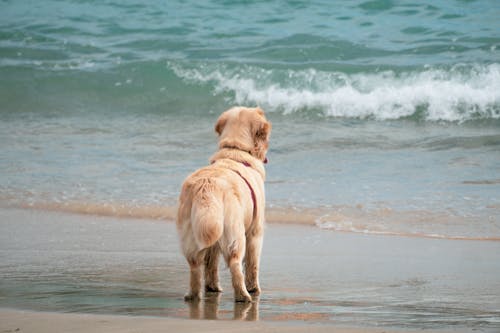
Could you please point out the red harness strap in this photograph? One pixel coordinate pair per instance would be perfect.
(254, 199)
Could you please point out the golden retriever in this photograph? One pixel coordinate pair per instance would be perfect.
(221, 206)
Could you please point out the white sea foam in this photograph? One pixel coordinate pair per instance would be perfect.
(457, 94)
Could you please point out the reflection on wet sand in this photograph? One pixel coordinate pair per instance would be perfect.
(208, 308)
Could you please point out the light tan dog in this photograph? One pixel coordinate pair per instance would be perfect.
(221, 206)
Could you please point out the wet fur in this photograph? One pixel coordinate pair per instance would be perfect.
(216, 213)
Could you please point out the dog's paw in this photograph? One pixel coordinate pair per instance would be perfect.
(254, 290)
(213, 289)
(243, 298)
(190, 297)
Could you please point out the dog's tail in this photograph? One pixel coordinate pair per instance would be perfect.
(207, 214)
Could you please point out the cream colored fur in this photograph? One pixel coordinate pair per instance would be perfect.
(216, 213)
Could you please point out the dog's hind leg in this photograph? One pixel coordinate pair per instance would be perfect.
(194, 293)
(212, 269)
(232, 245)
(233, 253)
(240, 291)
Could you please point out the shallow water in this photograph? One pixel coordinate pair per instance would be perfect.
(393, 177)
(75, 263)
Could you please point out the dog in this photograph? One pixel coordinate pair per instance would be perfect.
(221, 206)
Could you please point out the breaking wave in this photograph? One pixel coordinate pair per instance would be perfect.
(456, 94)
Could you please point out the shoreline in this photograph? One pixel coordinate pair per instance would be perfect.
(298, 216)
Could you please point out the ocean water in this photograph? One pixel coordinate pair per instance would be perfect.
(386, 114)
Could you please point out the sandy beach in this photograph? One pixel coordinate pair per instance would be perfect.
(39, 322)
(74, 269)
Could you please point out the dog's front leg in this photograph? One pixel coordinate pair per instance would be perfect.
(233, 253)
(240, 291)
(252, 262)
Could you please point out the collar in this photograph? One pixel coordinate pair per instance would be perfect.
(243, 150)
(240, 156)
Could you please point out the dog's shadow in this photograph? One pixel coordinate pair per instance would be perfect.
(208, 308)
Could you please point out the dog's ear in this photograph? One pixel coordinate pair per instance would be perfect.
(262, 131)
(221, 123)
(260, 111)
(262, 127)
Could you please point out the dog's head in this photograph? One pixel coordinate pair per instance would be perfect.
(245, 129)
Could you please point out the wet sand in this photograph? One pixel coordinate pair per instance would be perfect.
(39, 322)
(311, 278)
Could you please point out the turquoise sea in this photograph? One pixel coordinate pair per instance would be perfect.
(386, 114)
